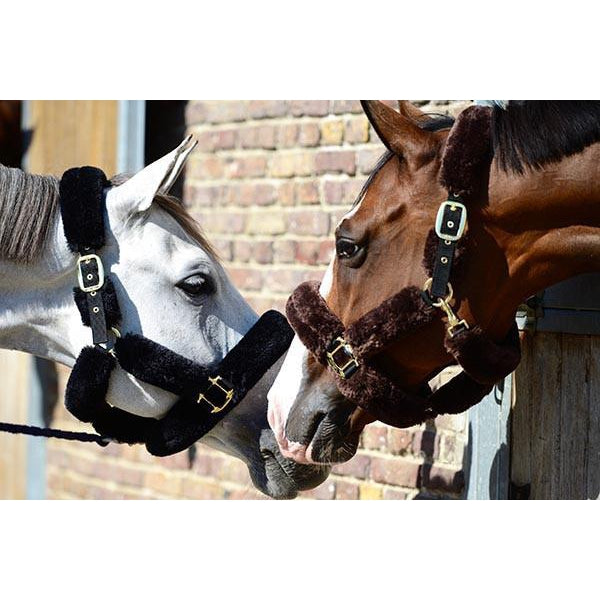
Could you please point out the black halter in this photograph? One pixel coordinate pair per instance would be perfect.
(352, 352)
(205, 395)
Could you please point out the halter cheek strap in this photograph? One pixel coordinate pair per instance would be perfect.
(206, 395)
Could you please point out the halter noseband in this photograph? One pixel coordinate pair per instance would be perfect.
(206, 395)
(351, 352)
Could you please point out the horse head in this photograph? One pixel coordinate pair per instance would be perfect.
(532, 221)
(170, 286)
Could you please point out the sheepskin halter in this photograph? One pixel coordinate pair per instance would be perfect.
(352, 352)
(205, 395)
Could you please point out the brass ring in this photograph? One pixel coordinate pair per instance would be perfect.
(439, 303)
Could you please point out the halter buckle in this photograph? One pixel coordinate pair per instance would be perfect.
(218, 386)
(341, 348)
(451, 220)
(84, 260)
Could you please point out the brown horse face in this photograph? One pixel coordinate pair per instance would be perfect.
(379, 250)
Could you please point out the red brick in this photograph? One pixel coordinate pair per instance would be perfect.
(356, 130)
(358, 467)
(310, 135)
(374, 436)
(242, 250)
(335, 161)
(290, 164)
(216, 139)
(257, 194)
(287, 136)
(345, 490)
(258, 136)
(310, 108)
(346, 106)
(437, 477)
(261, 109)
(307, 192)
(206, 167)
(333, 191)
(245, 166)
(307, 222)
(392, 494)
(399, 440)
(395, 471)
(195, 112)
(366, 159)
(284, 251)
(326, 491)
(245, 278)
(224, 111)
(262, 252)
(163, 482)
(285, 280)
(224, 248)
(205, 195)
(285, 193)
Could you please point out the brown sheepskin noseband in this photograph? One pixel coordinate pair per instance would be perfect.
(352, 352)
(205, 395)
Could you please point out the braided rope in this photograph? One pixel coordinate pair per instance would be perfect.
(54, 433)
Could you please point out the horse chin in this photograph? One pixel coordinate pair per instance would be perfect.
(281, 478)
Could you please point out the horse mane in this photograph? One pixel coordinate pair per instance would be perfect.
(531, 134)
(29, 205)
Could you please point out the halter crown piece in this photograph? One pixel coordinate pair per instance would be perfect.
(351, 352)
(205, 395)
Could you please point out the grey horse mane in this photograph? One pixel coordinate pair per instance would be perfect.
(29, 205)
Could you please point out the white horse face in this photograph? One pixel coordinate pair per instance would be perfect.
(172, 290)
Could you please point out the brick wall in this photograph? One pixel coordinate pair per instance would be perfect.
(268, 182)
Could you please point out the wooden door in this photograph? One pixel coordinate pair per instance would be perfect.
(556, 418)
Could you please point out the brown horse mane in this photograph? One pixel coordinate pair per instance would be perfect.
(29, 205)
(531, 134)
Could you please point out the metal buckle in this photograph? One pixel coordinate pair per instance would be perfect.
(224, 387)
(340, 345)
(462, 220)
(455, 325)
(99, 266)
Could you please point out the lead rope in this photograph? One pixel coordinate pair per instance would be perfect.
(47, 432)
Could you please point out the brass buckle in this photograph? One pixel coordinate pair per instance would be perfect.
(460, 226)
(454, 323)
(99, 266)
(223, 387)
(340, 345)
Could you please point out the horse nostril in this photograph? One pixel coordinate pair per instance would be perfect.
(301, 427)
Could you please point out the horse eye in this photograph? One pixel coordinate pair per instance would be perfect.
(346, 248)
(196, 285)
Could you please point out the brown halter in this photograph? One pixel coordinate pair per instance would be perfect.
(351, 352)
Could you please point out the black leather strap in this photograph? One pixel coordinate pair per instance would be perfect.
(442, 268)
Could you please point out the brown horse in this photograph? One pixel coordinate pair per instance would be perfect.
(536, 224)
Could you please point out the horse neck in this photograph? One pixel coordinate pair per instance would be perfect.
(37, 312)
(540, 228)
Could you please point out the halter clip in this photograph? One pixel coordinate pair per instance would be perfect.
(85, 260)
(217, 386)
(455, 325)
(341, 348)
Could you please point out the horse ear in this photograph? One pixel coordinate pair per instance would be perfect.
(409, 110)
(136, 194)
(398, 132)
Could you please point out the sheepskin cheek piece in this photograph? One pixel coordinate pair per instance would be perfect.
(465, 172)
(82, 208)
